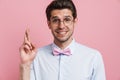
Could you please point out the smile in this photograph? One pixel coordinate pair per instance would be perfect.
(62, 32)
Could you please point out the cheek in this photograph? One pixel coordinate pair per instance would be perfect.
(52, 29)
(71, 28)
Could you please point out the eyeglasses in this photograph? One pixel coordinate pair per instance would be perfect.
(66, 21)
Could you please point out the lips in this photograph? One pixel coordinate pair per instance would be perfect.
(61, 33)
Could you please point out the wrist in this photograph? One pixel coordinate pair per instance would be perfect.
(25, 66)
(24, 72)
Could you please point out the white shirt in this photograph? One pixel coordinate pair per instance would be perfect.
(84, 64)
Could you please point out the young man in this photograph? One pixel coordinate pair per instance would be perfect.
(64, 59)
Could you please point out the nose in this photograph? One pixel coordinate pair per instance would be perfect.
(61, 24)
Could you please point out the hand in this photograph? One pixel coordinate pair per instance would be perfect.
(27, 50)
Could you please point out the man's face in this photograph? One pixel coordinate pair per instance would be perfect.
(61, 24)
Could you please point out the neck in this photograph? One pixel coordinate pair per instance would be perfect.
(63, 44)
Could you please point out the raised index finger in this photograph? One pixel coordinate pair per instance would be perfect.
(27, 37)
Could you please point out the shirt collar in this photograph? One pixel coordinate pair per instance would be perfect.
(70, 46)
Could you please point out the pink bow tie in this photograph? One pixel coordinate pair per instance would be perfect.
(57, 52)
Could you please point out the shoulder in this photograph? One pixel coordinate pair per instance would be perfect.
(83, 49)
(44, 49)
(43, 52)
(89, 54)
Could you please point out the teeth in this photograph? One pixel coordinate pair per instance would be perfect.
(61, 32)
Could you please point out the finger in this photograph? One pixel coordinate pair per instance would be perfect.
(33, 47)
(26, 36)
(26, 48)
(28, 44)
(27, 39)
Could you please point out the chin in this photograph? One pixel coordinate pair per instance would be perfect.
(62, 39)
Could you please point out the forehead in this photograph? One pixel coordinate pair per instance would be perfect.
(61, 13)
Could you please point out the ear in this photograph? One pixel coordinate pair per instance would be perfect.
(75, 20)
(48, 22)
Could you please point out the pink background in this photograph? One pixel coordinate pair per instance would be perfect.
(98, 27)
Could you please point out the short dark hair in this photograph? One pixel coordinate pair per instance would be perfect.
(61, 4)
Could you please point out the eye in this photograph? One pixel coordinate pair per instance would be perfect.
(67, 19)
(55, 20)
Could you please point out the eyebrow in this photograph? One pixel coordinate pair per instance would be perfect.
(54, 17)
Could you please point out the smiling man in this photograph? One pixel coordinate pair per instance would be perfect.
(62, 26)
(64, 59)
